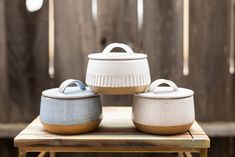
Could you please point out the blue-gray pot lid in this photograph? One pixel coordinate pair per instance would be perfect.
(66, 92)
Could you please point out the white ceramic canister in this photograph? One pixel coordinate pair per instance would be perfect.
(70, 110)
(163, 110)
(118, 72)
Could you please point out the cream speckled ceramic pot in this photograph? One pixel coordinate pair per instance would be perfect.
(163, 110)
(118, 73)
(70, 110)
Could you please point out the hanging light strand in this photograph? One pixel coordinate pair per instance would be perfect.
(186, 37)
(51, 48)
(140, 12)
(231, 50)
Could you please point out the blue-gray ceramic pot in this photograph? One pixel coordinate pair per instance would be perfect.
(70, 110)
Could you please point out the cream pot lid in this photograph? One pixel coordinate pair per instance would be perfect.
(160, 92)
(66, 92)
(108, 55)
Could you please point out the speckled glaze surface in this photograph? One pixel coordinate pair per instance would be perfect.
(120, 70)
(164, 113)
(68, 111)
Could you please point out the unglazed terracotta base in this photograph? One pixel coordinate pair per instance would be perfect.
(166, 130)
(118, 90)
(72, 129)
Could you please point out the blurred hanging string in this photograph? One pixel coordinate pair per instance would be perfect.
(231, 50)
(35, 5)
(51, 48)
(186, 37)
(140, 12)
(94, 10)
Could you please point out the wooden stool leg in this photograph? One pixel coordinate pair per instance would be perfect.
(188, 154)
(52, 154)
(42, 154)
(22, 153)
(203, 153)
(181, 154)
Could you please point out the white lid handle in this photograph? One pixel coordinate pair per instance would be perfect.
(153, 86)
(109, 48)
(70, 82)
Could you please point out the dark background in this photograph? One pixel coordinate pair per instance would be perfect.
(24, 57)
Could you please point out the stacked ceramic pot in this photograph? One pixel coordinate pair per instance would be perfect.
(118, 73)
(156, 109)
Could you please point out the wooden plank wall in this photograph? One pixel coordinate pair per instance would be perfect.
(3, 62)
(25, 61)
(24, 51)
(209, 48)
(75, 38)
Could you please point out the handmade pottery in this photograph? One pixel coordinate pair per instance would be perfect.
(163, 110)
(70, 110)
(118, 73)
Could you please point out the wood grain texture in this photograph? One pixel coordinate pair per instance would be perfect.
(75, 38)
(26, 60)
(25, 67)
(162, 39)
(3, 65)
(117, 22)
(23, 53)
(10, 130)
(209, 76)
(220, 147)
(219, 129)
(115, 133)
(209, 42)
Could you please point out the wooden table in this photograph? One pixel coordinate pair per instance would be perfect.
(115, 134)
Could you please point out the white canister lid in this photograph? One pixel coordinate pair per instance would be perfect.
(171, 92)
(107, 55)
(66, 92)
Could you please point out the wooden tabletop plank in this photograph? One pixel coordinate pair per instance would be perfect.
(116, 131)
(196, 129)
